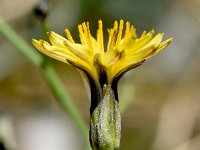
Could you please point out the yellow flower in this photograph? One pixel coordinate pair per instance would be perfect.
(123, 52)
(103, 68)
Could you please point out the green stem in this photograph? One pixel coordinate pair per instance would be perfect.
(62, 98)
(45, 29)
(19, 43)
(50, 75)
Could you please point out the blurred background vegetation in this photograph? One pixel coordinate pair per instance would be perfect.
(160, 99)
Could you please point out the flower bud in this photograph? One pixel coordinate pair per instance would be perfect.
(105, 120)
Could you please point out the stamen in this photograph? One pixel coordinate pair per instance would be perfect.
(100, 37)
(119, 36)
(115, 27)
(143, 33)
(67, 32)
(89, 36)
(85, 31)
(127, 31)
(112, 35)
(133, 32)
(81, 35)
(110, 40)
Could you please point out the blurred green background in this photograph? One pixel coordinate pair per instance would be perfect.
(161, 97)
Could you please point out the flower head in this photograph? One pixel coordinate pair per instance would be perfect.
(124, 51)
(103, 68)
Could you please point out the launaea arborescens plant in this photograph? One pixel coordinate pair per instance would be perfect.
(103, 66)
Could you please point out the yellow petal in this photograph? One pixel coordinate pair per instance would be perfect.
(40, 47)
(80, 51)
(123, 51)
(56, 39)
(68, 34)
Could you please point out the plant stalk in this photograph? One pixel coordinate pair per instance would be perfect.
(49, 74)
